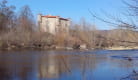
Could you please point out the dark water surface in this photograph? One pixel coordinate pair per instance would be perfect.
(69, 65)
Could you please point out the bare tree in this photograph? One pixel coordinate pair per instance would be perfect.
(85, 33)
(126, 32)
(26, 19)
(6, 16)
(133, 12)
(132, 7)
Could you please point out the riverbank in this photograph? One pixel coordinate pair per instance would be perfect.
(43, 46)
(122, 48)
(38, 46)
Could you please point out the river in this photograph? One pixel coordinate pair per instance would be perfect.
(69, 65)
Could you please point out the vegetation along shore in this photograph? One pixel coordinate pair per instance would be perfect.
(19, 30)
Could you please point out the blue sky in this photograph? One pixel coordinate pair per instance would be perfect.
(74, 9)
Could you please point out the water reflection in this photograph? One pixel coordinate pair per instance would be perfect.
(55, 66)
(50, 66)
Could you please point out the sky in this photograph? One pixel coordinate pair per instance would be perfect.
(74, 9)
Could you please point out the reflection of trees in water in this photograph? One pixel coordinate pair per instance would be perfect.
(4, 74)
(88, 64)
(52, 65)
(48, 66)
(24, 72)
(12, 67)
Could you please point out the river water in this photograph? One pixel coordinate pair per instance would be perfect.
(69, 65)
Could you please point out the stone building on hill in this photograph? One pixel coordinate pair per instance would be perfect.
(53, 24)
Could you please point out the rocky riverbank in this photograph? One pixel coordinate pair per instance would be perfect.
(40, 46)
(45, 46)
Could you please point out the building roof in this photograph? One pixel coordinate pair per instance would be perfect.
(49, 16)
(64, 19)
